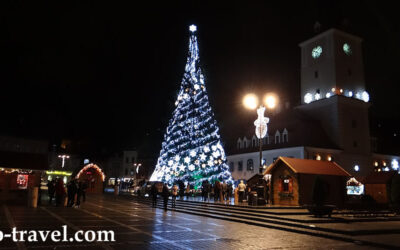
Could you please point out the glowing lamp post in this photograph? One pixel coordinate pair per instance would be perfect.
(250, 101)
(63, 157)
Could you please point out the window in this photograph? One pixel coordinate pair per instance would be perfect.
(239, 144)
(240, 166)
(286, 184)
(231, 166)
(277, 137)
(253, 142)
(250, 166)
(127, 160)
(244, 144)
(285, 136)
(316, 74)
(133, 159)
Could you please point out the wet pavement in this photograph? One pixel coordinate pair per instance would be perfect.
(138, 226)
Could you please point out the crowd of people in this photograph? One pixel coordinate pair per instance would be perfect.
(70, 196)
(219, 192)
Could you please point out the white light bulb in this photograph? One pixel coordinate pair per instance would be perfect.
(395, 164)
(356, 168)
(350, 94)
(328, 95)
(365, 96)
(307, 98)
(317, 96)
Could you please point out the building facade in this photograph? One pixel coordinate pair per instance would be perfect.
(332, 121)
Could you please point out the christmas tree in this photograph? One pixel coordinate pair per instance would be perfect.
(192, 150)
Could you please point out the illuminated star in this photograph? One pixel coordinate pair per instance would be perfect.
(192, 28)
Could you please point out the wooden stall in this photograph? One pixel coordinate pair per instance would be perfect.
(292, 181)
(377, 185)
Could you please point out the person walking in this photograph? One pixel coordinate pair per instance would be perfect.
(51, 189)
(206, 190)
(217, 189)
(154, 192)
(181, 190)
(229, 193)
(224, 190)
(174, 194)
(60, 192)
(71, 191)
(79, 193)
(165, 195)
(241, 189)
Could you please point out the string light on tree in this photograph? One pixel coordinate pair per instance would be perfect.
(192, 139)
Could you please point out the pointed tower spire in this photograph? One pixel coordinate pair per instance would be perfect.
(192, 151)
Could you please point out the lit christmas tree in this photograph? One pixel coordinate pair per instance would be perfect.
(192, 150)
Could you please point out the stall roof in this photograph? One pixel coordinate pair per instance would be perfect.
(19, 160)
(305, 166)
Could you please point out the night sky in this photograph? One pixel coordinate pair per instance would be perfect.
(108, 73)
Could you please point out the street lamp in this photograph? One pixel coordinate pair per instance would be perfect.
(63, 157)
(250, 101)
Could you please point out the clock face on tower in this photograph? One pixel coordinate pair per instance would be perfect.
(316, 52)
(347, 49)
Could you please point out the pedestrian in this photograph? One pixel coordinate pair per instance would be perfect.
(174, 194)
(165, 195)
(71, 191)
(60, 192)
(79, 194)
(187, 191)
(206, 190)
(224, 190)
(181, 190)
(217, 190)
(241, 189)
(229, 193)
(154, 195)
(51, 189)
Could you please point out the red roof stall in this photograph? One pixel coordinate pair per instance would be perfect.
(292, 181)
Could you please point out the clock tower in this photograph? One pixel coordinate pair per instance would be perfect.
(331, 63)
(333, 92)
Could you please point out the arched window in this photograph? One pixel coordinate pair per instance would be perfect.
(246, 143)
(239, 143)
(285, 136)
(231, 166)
(250, 165)
(240, 166)
(277, 137)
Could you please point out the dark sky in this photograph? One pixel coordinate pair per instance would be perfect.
(108, 73)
